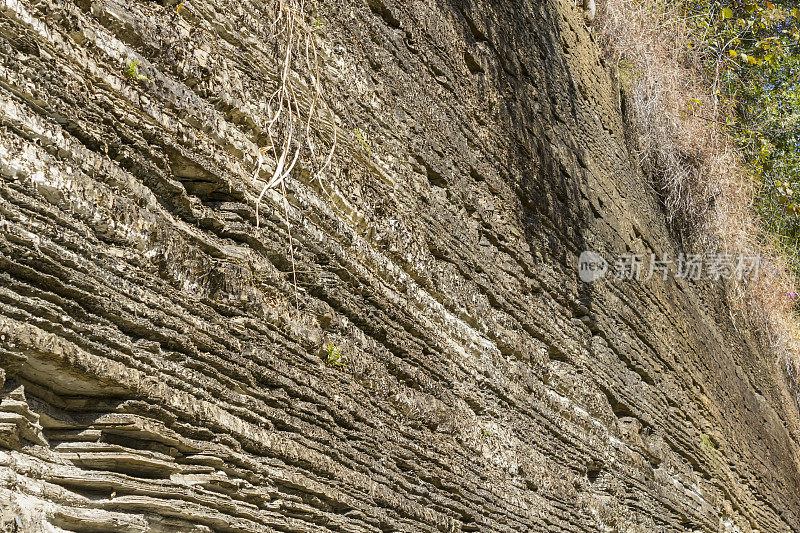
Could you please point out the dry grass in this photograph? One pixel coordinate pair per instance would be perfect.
(708, 194)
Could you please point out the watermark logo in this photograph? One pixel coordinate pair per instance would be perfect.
(591, 266)
(641, 267)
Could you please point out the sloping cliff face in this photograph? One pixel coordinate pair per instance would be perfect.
(158, 378)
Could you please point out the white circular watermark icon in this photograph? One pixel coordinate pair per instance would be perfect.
(591, 266)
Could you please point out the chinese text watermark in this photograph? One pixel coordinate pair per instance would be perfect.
(642, 267)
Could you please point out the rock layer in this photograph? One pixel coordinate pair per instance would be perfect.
(159, 376)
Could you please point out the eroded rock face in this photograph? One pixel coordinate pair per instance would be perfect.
(158, 378)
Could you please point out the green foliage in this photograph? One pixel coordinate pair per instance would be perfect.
(334, 357)
(131, 71)
(750, 52)
(709, 448)
(627, 74)
(364, 141)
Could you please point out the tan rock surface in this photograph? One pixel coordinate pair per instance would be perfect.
(157, 378)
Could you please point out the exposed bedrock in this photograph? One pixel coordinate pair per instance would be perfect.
(158, 378)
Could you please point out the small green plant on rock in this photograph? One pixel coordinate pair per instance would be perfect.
(131, 71)
(708, 447)
(334, 357)
(364, 141)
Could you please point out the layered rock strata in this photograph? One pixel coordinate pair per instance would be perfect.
(159, 376)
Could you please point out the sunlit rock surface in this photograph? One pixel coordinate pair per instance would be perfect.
(158, 378)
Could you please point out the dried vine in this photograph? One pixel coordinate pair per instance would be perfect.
(292, 132)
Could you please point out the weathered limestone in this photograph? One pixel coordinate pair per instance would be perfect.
(157, 378)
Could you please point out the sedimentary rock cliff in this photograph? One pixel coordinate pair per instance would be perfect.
(159, 376)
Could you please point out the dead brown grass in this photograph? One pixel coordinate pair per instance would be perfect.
(708, 194)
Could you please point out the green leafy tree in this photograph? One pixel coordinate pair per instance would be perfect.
(750, 53)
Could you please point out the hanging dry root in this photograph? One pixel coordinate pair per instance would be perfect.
(291, 127)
